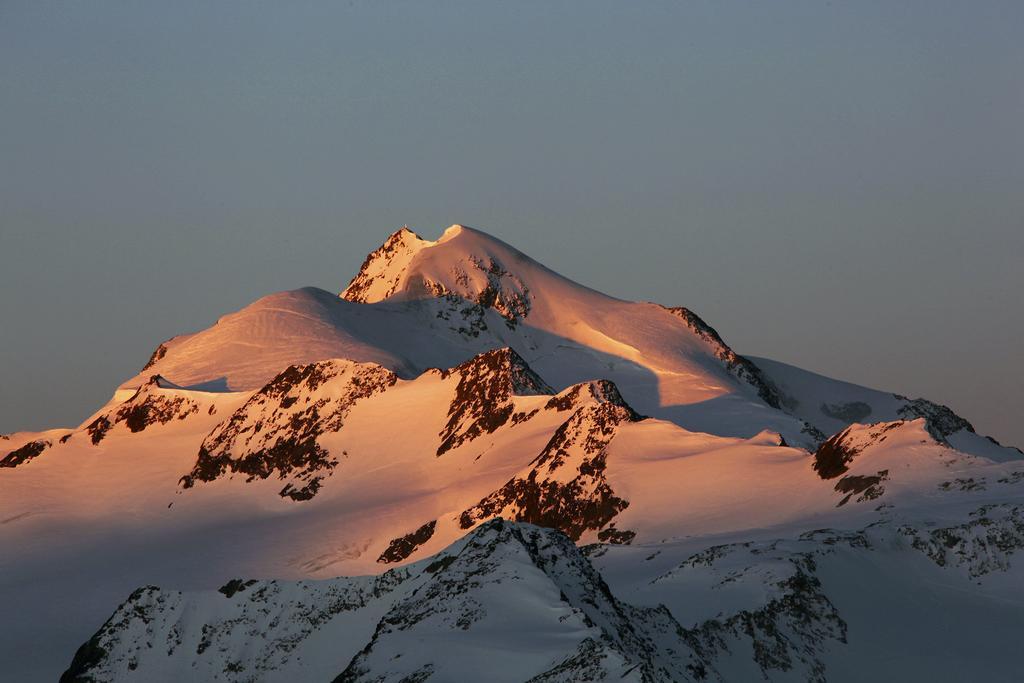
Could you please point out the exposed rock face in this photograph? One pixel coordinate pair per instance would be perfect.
(565, 486)
(21, 455)
(482, 284)
(154, 403)
(471, 285)
(981, 545)
(483, 397)
(615, 536)
(791, 632)
(942, 421)
(835, 455)
(98, 428)
(739, 366)
(383, 269)
(867, 487)
(159, 353)
(854, 411)
(597, 391)
(276, 430)
(403, 547)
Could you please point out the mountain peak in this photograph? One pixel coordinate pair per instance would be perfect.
(453, 231)
(468, 271)
(507, 366)
(483, 398)
(381, 272)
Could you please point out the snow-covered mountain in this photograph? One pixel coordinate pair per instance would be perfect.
(514, 602)
(726, 509)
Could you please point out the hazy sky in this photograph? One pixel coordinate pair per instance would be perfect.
(839, 186)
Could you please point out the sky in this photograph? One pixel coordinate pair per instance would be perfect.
(832, 185)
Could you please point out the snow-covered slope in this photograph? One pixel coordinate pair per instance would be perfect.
(830, 405)
(520, 603)
(417, 304)
(311, 435)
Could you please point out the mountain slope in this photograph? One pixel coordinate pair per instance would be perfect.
(831, 405)
(417, 304)
(515, 603)
(311, 435)
(582, 460)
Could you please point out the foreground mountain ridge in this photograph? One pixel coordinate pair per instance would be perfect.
(452, 382)
(536, 609)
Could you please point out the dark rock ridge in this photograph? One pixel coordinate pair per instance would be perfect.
(148, 406)
(942, 421)
(156, 356)
(869, 487)
(739, 366)
(597, 391)
(833, 457)
(25, 453)
(483, 397)
(276, 430)
(404, 546)
(234, 586)
(565, 486)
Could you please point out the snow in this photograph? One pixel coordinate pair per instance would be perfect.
(87, 521)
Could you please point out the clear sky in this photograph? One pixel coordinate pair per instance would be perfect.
(835, 185)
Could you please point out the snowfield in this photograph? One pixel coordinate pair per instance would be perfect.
(674, 511)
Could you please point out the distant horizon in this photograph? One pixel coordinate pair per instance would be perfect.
(832, 187)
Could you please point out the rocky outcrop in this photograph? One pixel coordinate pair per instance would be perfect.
(157, 402)
(942, 421)
(383, 269)
(156, 356)
(22, 455)
(565, 486)
(981, 545)
(404, 546)
(483, 397)
(865, 487)
(276, 431)
(481, 285)
(834, 456)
